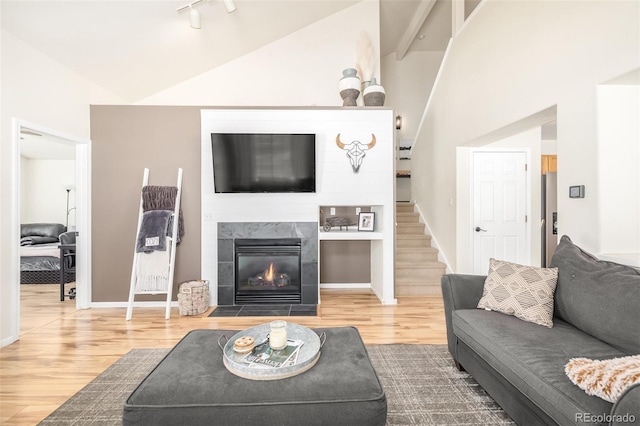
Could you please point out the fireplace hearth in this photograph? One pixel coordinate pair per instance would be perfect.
(267, 270)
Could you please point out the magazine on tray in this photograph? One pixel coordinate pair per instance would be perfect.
(263, 356)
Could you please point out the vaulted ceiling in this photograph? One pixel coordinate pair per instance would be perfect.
(122, 45)
(135, 48)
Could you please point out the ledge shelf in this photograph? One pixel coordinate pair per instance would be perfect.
(349, 235)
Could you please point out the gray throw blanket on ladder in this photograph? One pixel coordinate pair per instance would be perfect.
(153, 231)
(162, 198)
(154, 252)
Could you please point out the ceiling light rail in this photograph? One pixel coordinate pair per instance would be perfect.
(189, 5)
(229, 5)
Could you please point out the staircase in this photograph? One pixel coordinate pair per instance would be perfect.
(418, 271)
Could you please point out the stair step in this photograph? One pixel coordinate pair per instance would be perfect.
(410, 228)
(416, 254)
(420, 267)
(419, 290)
(404, 207)
(407, 217)
(415, 273)
(414, 237)
(409, 241)
(413, 277)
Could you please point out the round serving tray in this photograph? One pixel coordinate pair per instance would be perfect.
(307, 357)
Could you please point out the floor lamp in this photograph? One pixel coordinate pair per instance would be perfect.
(68, 188)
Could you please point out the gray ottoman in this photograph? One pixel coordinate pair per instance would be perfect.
(191, 386)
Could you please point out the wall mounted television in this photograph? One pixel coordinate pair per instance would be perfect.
(264, 162)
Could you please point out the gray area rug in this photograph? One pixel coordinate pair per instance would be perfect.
(421, 383)
(423, 387)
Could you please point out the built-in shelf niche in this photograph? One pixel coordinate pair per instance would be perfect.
(343, 252)
(350, 232)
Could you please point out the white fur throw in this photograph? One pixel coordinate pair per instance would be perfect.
(606, 379)
(152, 270)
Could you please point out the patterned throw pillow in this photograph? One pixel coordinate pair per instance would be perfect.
(606, 379)
(525, 292)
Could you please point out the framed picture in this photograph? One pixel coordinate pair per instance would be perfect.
(366, 221)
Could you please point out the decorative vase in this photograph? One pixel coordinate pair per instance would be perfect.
(349, 86)
(374, 94)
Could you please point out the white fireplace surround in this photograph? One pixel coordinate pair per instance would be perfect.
(336, 183)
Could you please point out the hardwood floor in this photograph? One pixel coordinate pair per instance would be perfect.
(62, 349)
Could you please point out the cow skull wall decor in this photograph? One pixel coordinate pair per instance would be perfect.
(356, 151)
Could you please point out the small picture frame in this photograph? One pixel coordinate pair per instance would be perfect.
(366, 221)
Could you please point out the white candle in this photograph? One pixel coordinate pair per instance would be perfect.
(278, 334)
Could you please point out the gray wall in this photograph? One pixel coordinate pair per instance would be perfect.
(125, 140)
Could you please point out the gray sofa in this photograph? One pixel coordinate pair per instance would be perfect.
(521, 364)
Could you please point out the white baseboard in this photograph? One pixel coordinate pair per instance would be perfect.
(8, 341)
(154, 304)
(345, 285)
(366, 286)
(383, 300)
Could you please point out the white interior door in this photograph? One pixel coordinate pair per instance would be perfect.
(499, 208)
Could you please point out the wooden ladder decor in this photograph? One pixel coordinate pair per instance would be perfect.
(153, 269)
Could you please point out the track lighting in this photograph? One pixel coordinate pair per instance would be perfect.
(194, 15)
(230, 5)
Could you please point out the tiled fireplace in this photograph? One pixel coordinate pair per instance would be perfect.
(267, 270)
(232, 240)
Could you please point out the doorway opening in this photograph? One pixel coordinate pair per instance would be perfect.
(530, 135)
(70, 206)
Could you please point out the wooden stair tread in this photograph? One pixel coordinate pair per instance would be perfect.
(430, 281)
(419, 291)
(426, 249)
(413, 236)
(404, 207)
(406, 219)
(407, 214)
(421, 265)
(419, 254)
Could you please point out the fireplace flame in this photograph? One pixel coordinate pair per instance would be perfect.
(269, 273)
(270, 277)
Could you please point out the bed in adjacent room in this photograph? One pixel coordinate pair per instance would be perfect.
(40, 254)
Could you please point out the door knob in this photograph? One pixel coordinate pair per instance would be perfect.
(478, 229)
